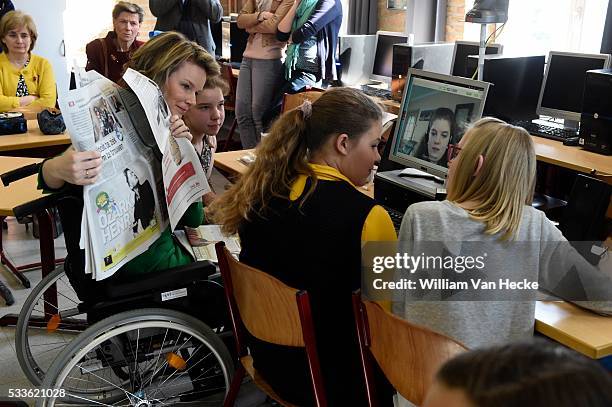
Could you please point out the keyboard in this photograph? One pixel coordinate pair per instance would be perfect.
(396, 217)
(549, 132)
(376, 92)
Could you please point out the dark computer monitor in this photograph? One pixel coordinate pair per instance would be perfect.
(563, 87)
(238, 42)
(516, 83)
(463, 49)
(431, 97)
(383, 57)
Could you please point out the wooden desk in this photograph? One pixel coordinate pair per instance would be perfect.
(578, 329)
(228, 162)
(573, 158)
(33, 141)
(19, 192)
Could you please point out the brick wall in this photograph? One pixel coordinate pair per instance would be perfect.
(395, 20)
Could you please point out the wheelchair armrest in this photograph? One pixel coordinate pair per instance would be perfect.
(19, 173)
(166, 279)
(36, 206)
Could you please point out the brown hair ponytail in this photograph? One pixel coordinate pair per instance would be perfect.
(284, 153)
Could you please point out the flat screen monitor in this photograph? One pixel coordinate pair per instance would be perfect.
(563, 86)
(516, 85)
(383, 57)
(463, 49)
(355, 56)
(435, 112)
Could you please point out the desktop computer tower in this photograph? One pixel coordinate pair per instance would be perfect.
(433, 57)
(516, 85)
(596, 117)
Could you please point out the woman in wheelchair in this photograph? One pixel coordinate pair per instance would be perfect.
(301, 219)
(180, 68)
(149, 349)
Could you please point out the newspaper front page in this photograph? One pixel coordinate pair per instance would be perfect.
(139, 191)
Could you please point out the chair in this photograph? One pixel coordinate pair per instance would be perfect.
(409, 355)
(291, 101)
(230, 101)
(272, 312)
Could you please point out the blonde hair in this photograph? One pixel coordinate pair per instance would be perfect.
(14, 19)
(506, 180)
(124, 6)
(283, 155)
(159, 57)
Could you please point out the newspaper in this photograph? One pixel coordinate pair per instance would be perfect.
(203, 238)
(140, 191)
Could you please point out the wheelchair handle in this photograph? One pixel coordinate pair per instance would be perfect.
(19, 173)
(36, 206)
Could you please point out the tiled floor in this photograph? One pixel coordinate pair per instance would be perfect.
(22, 248)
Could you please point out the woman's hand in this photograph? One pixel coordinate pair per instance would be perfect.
(266, 15)
(78, 168)
(178, 128)
(26, 100)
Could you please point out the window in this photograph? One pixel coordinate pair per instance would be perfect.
(539, 26)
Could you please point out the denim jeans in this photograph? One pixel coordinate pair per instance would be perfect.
(257, 85)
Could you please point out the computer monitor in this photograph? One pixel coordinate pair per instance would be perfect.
(463, 49)
(238, 42)
(435, 111)
(516, 85)
(383, 57)
(355, 57)
(430, 56)
(563, 86)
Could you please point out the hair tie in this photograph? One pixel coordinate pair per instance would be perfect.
(306, 108)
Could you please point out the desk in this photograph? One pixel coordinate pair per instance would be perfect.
(578, 329)
(228, 162)
(34, 143)
(573, 158)
(19, 193)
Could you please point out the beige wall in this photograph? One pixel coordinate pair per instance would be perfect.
(395, 20)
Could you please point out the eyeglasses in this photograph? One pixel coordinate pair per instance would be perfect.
(453, 151)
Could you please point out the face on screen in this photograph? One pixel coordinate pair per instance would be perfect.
(439, 136)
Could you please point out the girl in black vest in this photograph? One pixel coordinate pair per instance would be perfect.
(301, 219)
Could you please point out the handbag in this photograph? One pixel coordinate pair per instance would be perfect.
(12, 123)
(50, 121)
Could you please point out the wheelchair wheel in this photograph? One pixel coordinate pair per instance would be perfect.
(145, 357)
(41, 334)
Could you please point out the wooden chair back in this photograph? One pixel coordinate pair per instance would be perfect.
(270, 311)
(228, 75)
(409, 355)
(291, 101)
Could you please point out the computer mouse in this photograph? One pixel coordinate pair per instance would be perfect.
(571, 141)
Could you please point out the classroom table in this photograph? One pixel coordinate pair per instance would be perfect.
(19, 193)
(34, 143)
(574, 327)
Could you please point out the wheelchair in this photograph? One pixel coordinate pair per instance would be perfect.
(156, 339)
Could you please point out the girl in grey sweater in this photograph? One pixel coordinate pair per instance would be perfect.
(490, 186)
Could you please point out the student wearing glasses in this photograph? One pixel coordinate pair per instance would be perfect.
(491, 179)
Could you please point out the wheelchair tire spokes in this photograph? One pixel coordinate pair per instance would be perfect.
(155, 356)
